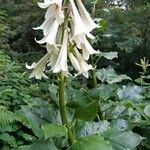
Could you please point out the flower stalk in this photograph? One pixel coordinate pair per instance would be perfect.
(62, 103)
(63, 108)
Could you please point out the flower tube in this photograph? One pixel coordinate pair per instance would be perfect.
(84, 67)
(39, 68)
(61, 63)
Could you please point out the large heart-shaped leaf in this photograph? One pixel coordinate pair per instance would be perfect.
(123, 140)
(91, 128)
(79, 99)
(110, 76)
(109, 55)
(93, 142)
(88, 112)
(31, 120)
(51, 130)
(43, 145)
(147, 110)
(130, 93)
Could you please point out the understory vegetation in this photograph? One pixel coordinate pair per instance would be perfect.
(108, 111)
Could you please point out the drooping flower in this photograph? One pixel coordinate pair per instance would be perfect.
(53, 19)
(84, 67)
(82, 24)
(74, 62)
(50, 37)
(61, 63)
(83, 43)
(87, 20)
(48, 3)
(53, 50)
(57, 52)
(49, 59)
(39, 68)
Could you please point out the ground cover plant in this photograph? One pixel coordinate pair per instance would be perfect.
(68, 100)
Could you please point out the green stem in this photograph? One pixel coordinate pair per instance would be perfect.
(93, 76)
(63, 108)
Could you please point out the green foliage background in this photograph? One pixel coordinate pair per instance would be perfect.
(118, 109)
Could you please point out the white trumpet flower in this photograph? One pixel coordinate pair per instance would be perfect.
(61, 63)
(53, 50)
(74, 62)
(53, 18)
(39, 68)
(83, 43)
(47, 3)
(50, 37)
(56, 57)
(78, 26)
(87, 20)
(77, 21)
(84, 67)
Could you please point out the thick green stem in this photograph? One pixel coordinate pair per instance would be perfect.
(93, 76)
(63, 108)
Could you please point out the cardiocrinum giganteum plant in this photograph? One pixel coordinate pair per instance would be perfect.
(67, 30)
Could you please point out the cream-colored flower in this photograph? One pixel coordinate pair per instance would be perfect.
(50, 37)
(48, 3)
(84, 67)
(83, 43)
(82, 24)
(77, 25)
(54, 51)
(74, 62)
(53, 18)
(61, 63)
(39, 68)
(87, 20)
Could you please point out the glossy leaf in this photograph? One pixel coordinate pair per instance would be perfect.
(88, 112)
(52, 130)
(94, 142)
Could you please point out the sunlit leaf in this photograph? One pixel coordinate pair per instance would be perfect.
(93, 142)
(123, 140)
(130, 92)
(51, 130)
(147, 110)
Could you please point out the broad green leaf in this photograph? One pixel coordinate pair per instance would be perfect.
(110, 76)
(147, 110)
(91, 128)
(51, 130)
(79, 99)
(88, 112)
(117, 78)
(93, 142)
(130, 93)
(123, 140)
(43, 145)
(33, 120)
(24, 147)
(109, 55)
(102, 92)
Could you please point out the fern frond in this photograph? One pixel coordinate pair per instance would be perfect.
(6, 117)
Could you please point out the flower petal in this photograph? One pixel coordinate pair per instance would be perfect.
(51, 36)
(74, 62)
(87, 20)
(32, 66)
(61, 64)
(40, 67)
